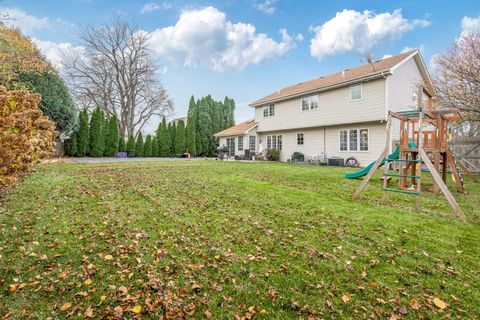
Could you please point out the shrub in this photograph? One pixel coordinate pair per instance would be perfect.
(155, 147)
(26, 135)
(273, 155)
(71, 146)
(139, 146)
(147, 147)
(131, 146)
(111, 140)
(83, 135)
(121, 144)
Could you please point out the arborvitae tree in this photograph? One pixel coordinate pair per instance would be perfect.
(131, 146)
(164, 140)
(96, 132)
(121, 144)
(204, 126)
(180, 138)
(139, 145)
(155, 146)
(104, 131)
(71, 145)
(112, 143)
(230, 112)
(83, 136)
(214, 115)
(171, 131)
(190, 135)
(147, 147)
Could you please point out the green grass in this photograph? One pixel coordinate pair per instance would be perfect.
(225, 239)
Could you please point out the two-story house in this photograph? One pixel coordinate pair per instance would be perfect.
(339, 115)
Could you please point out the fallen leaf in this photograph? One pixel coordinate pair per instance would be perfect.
(88, 313)
(66, 306)
(208, 314)
(439, 303)
(118, 311)
(414, 304)
(137, 309)
(102, 298)
(108, 257)
(12, 287)
(123, 289)
(196, 287)
(88, 282)
(345, 298)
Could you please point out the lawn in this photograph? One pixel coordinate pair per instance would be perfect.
(208, 239)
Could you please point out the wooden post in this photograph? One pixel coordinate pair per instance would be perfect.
(444, 166)
(436, 159)
(375, 166)
(456, 175)
(467, 171)
(451, 200)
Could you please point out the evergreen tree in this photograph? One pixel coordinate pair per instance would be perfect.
(190, 134)
(164, 140)
(171, 131)
(155, 146)
(71, 145)
(103, 131)
(180, 137)
(198, 141)
(83, 136)
(204, 126)
(111, 144)
(139, 145)
(96, 132)
(131, 146)
(147, 147)
(121, 144)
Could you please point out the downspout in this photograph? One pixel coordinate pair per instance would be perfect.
(324, 146)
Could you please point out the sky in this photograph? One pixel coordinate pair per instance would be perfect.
(249, 49)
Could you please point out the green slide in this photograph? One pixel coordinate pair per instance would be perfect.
(364, 171)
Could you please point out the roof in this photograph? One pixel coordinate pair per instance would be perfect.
(348, 75)
(240, 128)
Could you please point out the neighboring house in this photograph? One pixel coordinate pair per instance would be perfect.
(340, 115)
(175, 121)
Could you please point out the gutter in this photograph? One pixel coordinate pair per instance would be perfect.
(377, 75)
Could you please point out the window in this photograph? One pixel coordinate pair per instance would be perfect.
(269, 110)
(240, 143)
(251, 142)
(309, 102)
(300, 139)
(231, 146)
(356, 92)
(274, 142)
(353, 137)
(343, 140)
(354, 140)
(363, 139)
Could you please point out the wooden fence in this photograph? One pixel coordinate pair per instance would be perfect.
(467, 149)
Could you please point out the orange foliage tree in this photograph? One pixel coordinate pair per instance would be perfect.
(26, 135)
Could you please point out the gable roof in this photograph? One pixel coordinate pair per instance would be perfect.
(345, 77)
(238, 129)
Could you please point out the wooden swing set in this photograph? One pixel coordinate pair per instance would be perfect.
(423, 141)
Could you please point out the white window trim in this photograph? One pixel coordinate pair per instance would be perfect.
(303, 137)
(361, 91)
(310, 103)
(358, 142)
(276, 141)
(267, 107)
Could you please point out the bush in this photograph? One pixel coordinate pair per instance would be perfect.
(139, 146)
(273, 155)
(131, 146)
(26, 135)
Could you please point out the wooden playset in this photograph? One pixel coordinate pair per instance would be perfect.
(423, 143)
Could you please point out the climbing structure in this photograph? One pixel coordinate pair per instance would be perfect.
(423, 143)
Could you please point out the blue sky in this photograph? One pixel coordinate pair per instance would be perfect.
(248, 49)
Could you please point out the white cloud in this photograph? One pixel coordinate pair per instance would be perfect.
(150, 7)
(153, 6)
(24, 21)
(54, 51)
(205, 38)
(266, 6)
(471, 24)
(385, 56)
(351, 30)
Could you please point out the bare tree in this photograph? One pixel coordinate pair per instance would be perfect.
(457, 79)
(117, 71)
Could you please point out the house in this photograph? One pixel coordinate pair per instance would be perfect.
(339, 115)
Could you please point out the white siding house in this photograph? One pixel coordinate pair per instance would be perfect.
(339, 115)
